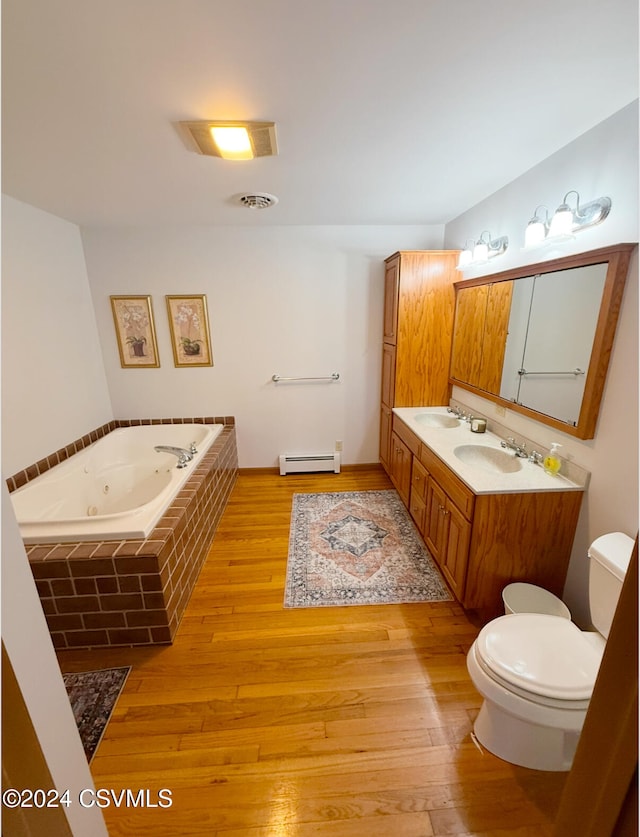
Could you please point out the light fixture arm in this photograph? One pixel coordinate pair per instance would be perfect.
(565, 206)
(538, 220)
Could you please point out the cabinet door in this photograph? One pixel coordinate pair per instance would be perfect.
(471, 308)
(388, 374)
(391, 281)
(494, 339)
(456, 550)
(426, 302)
(418, 499)
(418, 511)
(436, 520)
(401, 467)
(385, 437)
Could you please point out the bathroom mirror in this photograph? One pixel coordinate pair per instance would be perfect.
(538, 338)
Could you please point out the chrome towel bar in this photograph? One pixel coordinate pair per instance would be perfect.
(333, 377)
(575, 371)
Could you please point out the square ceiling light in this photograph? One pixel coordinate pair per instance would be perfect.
(234, 140)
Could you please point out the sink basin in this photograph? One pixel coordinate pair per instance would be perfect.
(490, 459)
(436, 420)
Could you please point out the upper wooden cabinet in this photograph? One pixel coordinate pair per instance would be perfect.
(418, 321)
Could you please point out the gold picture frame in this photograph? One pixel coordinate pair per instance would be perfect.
(135, 331)
(189, 327)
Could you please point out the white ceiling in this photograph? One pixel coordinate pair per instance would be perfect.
(387, 111)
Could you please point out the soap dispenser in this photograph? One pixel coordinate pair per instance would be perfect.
(551, 463)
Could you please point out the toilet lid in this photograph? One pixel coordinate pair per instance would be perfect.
(542, 654)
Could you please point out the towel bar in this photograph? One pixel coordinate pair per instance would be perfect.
(333, 377)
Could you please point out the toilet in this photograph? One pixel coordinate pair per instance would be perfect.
(536, 671)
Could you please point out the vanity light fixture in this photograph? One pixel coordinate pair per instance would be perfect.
(537, 229)
(233, 140)
(566, 221)
(484, 248)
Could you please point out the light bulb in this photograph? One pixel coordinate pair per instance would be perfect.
(233, 142)
(464, 258)
(481, 252)
(562, 222)
(534, 233)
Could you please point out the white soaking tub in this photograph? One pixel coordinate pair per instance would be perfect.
(115, 489)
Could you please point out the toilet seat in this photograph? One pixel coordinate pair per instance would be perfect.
(543, 658)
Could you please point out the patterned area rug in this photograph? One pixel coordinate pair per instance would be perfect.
(357, 548)
(93, 695)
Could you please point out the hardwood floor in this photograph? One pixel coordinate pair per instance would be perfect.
(337, 722)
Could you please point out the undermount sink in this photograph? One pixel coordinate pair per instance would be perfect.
(436, 420)
(491, 459)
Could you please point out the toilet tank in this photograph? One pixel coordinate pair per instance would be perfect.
(610, 555)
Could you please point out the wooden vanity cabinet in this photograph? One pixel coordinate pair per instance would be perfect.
(482, 542)
(419, 307)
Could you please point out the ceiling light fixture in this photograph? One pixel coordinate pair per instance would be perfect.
(566, 221)
(233, 140)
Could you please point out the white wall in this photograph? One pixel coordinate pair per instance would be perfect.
(54, 388)
(293, 301)
(602, 162)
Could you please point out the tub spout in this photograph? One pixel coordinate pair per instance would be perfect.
(184, 456)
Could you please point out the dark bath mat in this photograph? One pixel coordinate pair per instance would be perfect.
(93, 695)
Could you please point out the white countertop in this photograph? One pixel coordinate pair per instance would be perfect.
(442, 441)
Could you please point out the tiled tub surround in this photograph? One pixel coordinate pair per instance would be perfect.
(129, 592)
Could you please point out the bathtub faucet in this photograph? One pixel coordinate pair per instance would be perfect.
(184, 456)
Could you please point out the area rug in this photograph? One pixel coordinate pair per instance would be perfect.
(93, 695)
(357, 548)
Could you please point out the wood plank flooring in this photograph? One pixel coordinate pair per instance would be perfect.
(335, 722)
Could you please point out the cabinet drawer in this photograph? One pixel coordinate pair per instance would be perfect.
(461, 495)
(419, 477)
(408, 436)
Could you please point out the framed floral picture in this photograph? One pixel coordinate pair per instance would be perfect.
(189, 327)
(133, 320)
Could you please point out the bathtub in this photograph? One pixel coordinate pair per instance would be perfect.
(115, 489)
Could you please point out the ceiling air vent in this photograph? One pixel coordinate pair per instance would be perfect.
(258, 200)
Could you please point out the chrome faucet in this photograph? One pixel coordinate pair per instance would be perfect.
(456, 411)
(511, 444)
(184, 456)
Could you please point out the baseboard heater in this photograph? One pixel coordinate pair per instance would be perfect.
(307, 463)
